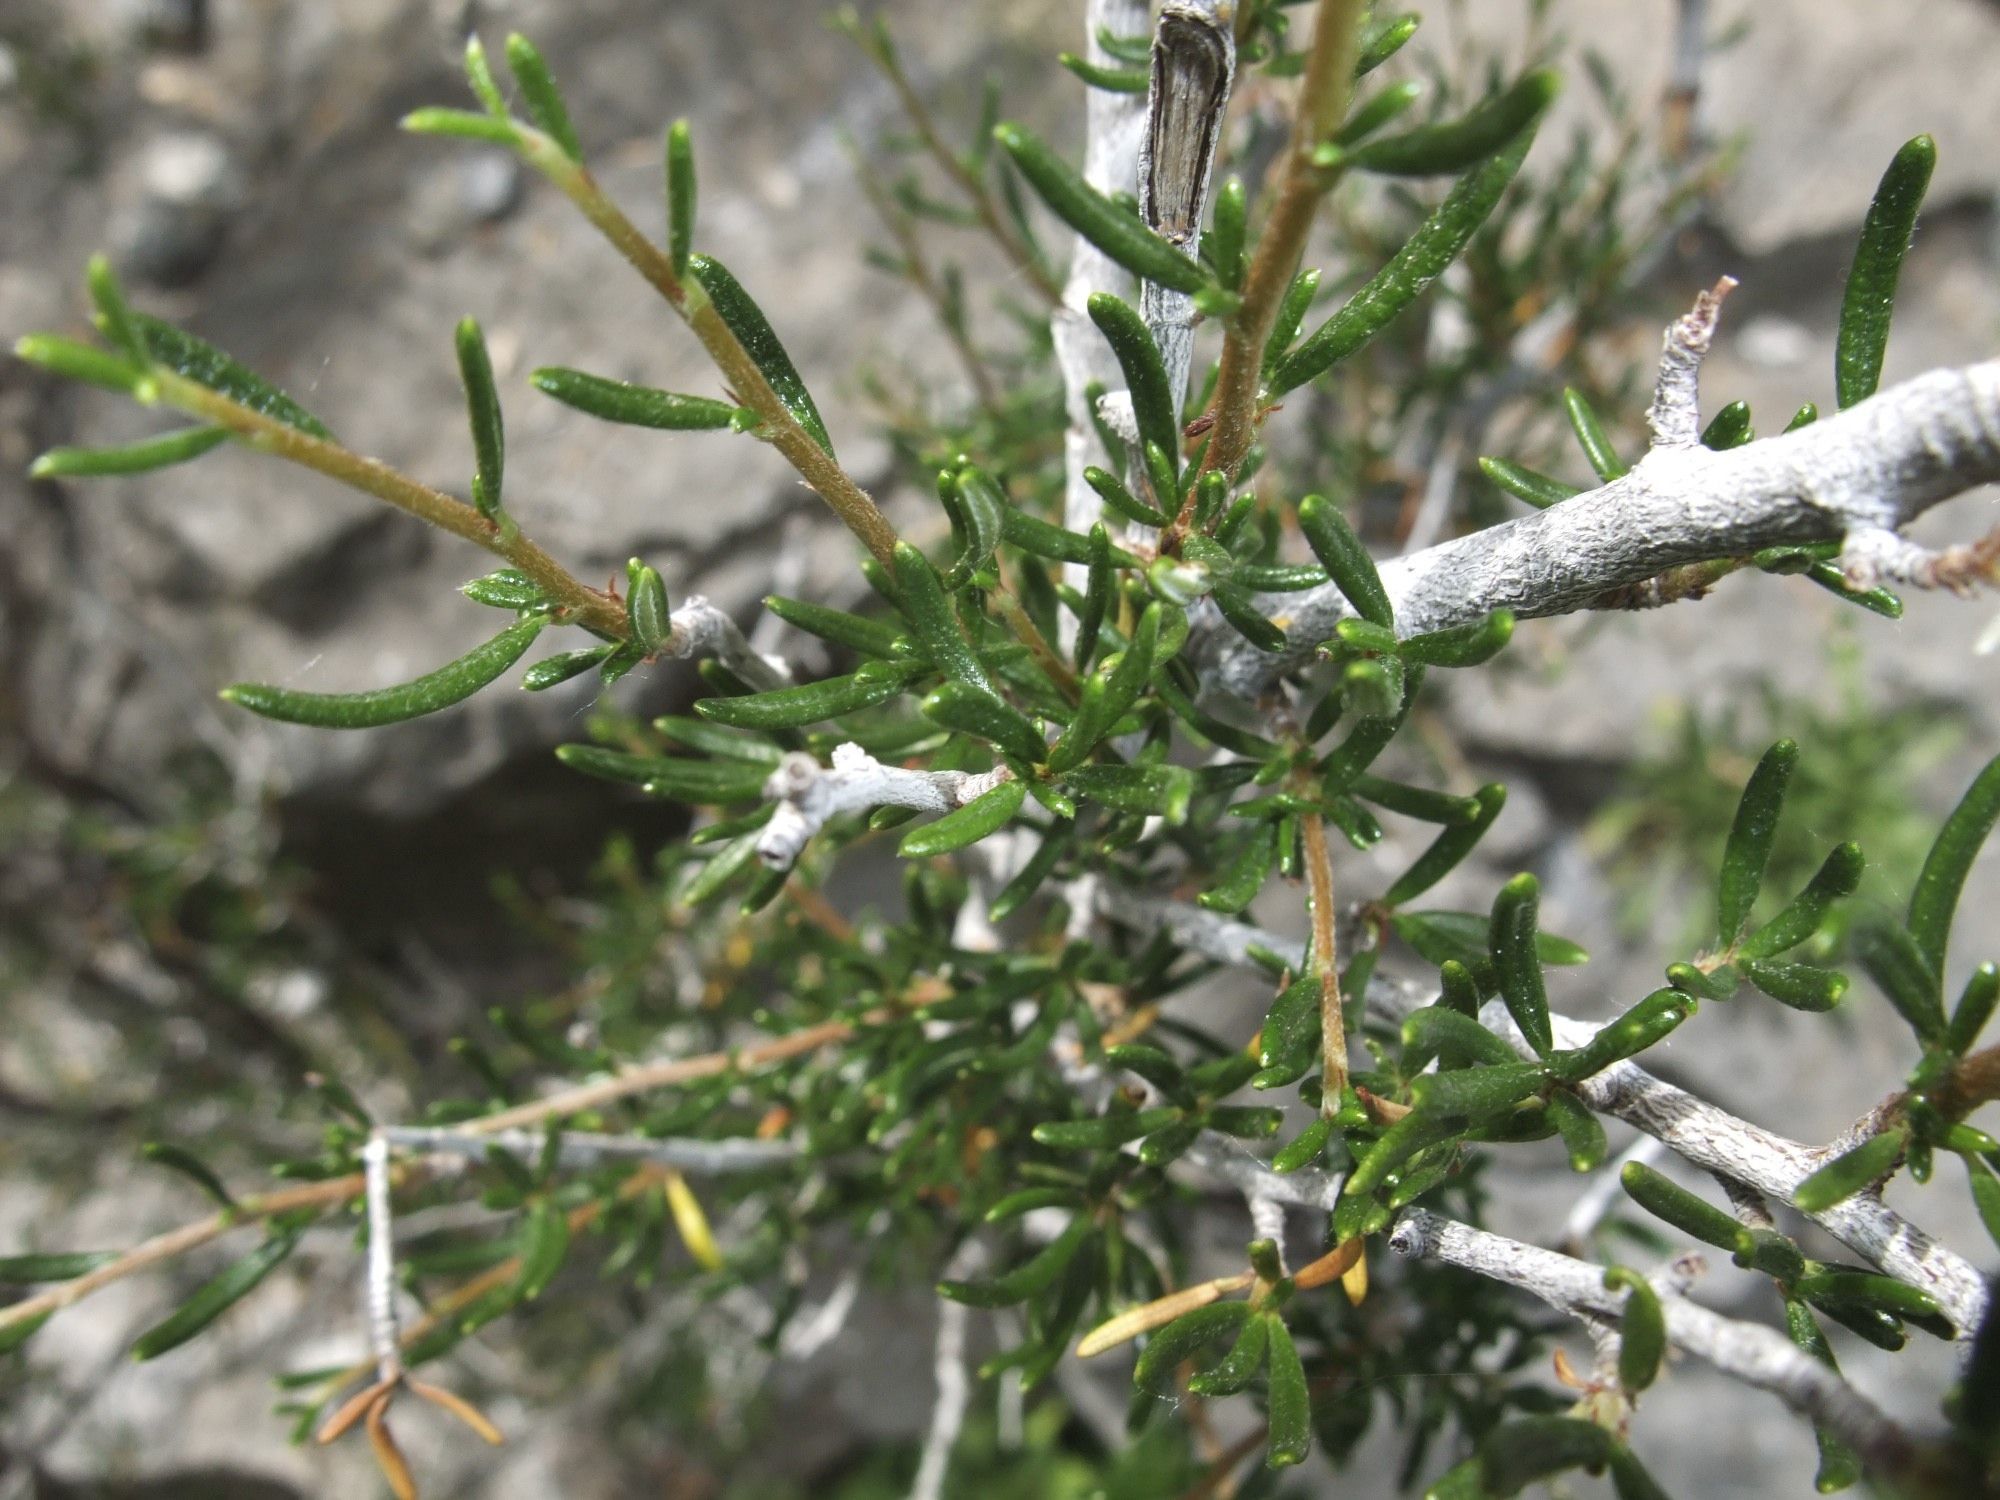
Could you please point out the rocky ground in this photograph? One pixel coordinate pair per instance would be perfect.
(238, 160)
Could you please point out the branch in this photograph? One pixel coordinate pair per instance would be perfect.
(1700, 1133)
(588, 1149)
(702, 629)
(1860, 476)
(1757, 1356)
(810, 795)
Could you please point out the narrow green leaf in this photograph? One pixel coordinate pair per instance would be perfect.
(970, 710)
(482, 402)
(1642, 1326)
(1155, 791)
(1111, 489)
(1101, 1132)
(1974, 1008)
(452, 683)
(1454, 145)
(461, 124)
(670, 776)
(1837, 877)
(114, 317)
(1449, 848)
(1096, 600)
(1182, 1339)
(1751, 835)
(543, 98)
(980, 513)
(175, 447)
(634, 405)
(1801, 986)
(14, 1335)
(1114, 230)
(1145, 372)
(1591, 436)
(1878, 262)
(1235, 1370)
(1304, 1150)
(215, 1297)
(1878, 601)
(178, 1159)
(1900, 969)
(1245, 875)
(680, 196)
(812, 702)
(1518, 964)
(1867, 1290)
(544, 1247)
(1935, 899)
(1121, 688)
(1665, 1199)
(928, 609)
(1229, 233)
(1409, 272)
(712, 739)
(1581, 1131)
(1985, 1194)
(1033, 1276)
(1298, 301)
(1455, 1038)
(1368, 118)
(479, 74)
(646, 604)
(1461, 645)
(1839, 1469)
(1346, 561)
(207, 365)
(1289, 1400)
(1382, 41)
(1111, 80)
(1031, 534)
(1650, 1021)
(1730, 427)
(1850, 1172)
(983, 816)
(1473, 1093)
(1523, 483)
(504, 588)
(857, 632)
(1525, 1449)
(27, 1270)
(77, 361)
(754, 332)
(1241, 614)
(551, 670)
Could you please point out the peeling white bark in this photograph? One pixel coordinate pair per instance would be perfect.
(701, 629)
(809, 795)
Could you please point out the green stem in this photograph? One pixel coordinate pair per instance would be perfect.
(579, 603)
(1323, 100)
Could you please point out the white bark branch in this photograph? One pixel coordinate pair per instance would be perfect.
(1756, 1355)
(810, 795)
(701, 629)
(1859, 477)
(580, 1148)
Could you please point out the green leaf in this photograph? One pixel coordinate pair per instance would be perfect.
(539, 92)
(979, 515)
(1581, 1131)
(207, 365)
(1298, 301)
(1167, 1348)
(178, 1159)
(479, 74)
(1161, 791)
(1462, 645)
(482, 404)
(1289, 1400)
(812, 702)
(1409, 272)
(1145, 372)
(1665, 1199)
(1876, 600)
(1111, 80)
(1985, 1194)
(1730, 427)
(1474, 1093)
(971, 710)
(551, 670)
(1750, 838)
(753, 331)
(1650, 1021)
(78, 361)
(1850, 1172)
(463, 124)
(1111, 489)
(1518, 964)
(1377, 112)
(1303, 1150)
(1839, 1469)
(680, 778)
(1878, 262)
(14, 1335)
(504, 588)
(1865, 1289)
(1346, 561)
(452, 683)
(1642, 1326)
(1974, 1008)
(646, 606)
(1455, 1038)
(1836, 879)
(1905, 976)
(544, 1247)
(1935, 899)
(983, 816)
(680, 196)
(1102, 1132)
(634, 405)
(857, 632)
(1107, 225)
(1801, 986)
(1235, 1370)
(114, 317)
(1031, 534)
(27, 1270)
(1454, 145)
(1591, 437)
(1448, 848)
(1016, 892)
(1236, 608)
(175, 447)
(1245, 875)
(1522, 483)
(1033, 1276)
(1382, 41)
(1229, 233)
(711, 739)
(1521, 1451)
(1108, 694)
(215, 1297)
